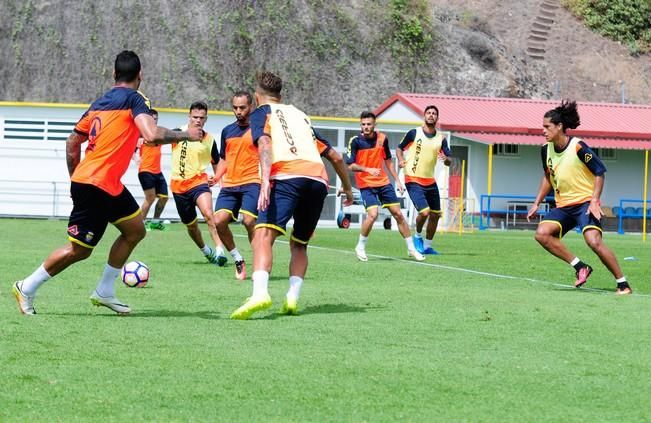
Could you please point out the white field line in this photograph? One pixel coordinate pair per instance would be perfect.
(461, 269)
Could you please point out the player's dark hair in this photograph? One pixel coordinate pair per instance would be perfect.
(199, 105)
(367, 114)
(269, 83)
(153, 112)
(566, 113)
(431, 106)
(127, 66)
(246, 94)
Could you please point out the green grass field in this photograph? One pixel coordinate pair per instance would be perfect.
(488, 331)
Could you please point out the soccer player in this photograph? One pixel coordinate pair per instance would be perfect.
(152, 181)
(368, 155)
(421, 147)
(190, 183)
(240, 187)
(294, 183)
(111, 125)
(576, 175)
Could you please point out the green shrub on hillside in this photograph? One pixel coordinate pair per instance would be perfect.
(627, 21)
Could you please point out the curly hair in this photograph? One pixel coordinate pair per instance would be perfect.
(566, 113)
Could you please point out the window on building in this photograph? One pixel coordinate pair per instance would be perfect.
(606, 153)
(509, 150)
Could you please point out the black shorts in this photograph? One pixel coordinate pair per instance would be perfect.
(93, 209)
(300, 198)
(186, 203)
(156, 181)
(569, 217)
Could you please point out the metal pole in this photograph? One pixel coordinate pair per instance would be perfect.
(54, 199)
(489, 188)
(646, 174)
(622, 86)
(463, 172)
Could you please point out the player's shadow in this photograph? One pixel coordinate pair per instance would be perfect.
(208, 315)
(328, 309)
(338, 308)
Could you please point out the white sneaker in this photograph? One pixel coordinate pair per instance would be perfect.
(416, 255)
(25, 303)
(110, 302)
(361, 254)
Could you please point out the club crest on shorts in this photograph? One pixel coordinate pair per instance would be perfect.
(72, 230)
(587, 158)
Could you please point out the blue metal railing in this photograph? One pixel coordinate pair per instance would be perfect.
(625, 211)
(485, 208)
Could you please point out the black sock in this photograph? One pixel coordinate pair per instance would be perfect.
(622, 285)
(579, 265)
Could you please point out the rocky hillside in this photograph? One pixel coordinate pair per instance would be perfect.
(336, 57)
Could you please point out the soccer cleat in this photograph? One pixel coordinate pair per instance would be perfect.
(240, 270)
(211, 257)
(624, 291)
(361, 254)
(221, 260)
(290, 307)
(159, 226)
(252, 305)
(418, 243)
(109, 302)
(416, 255)
(429, 250)
(582, 276)
(25, 303)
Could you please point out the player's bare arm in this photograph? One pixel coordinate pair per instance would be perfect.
(358, 168)
(155, 135)
(595, 203)
(264, 153)
(338, 164)
(73, 150)
(388, 163)
(545, 186)
(220, 170)
(401, 158)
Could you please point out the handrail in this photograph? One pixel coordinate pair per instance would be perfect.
(623, 215)
(488, 210)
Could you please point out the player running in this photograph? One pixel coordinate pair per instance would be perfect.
(368, 155)
(294, 183)
(422, 147)
(111, 125)
(576, 175)
(189, 183)
(152, 181)
(240, 186)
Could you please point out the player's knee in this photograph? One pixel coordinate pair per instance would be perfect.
(77, 253)
(162, 201)
(136, 235)
(594, 242)
(424, 214)
(248, 222)
(542, 237)
(297, 246)
(372, 214)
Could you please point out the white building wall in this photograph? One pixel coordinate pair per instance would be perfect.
(34, 178)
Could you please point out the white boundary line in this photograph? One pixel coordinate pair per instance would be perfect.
(461, 269)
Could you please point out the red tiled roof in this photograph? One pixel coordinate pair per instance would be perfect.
(521, 139)
(614, 123)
